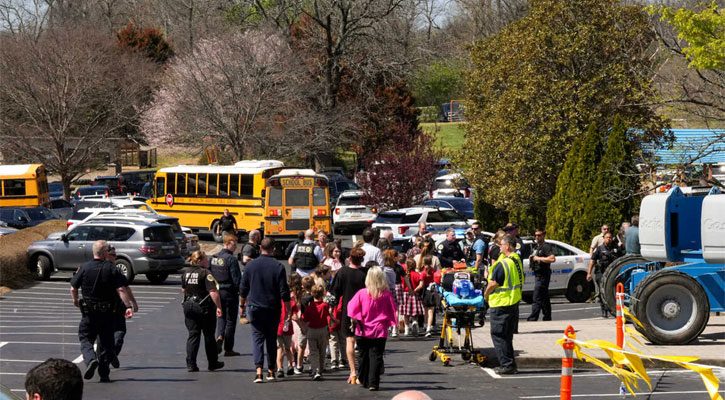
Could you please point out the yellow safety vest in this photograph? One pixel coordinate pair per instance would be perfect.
(509, 293)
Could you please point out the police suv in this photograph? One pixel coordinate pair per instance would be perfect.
(404, 222)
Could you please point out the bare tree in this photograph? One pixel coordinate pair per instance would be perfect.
(65, 96)
(24, 16)
(476, 19)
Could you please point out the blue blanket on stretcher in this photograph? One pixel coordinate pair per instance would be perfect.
(453, 300)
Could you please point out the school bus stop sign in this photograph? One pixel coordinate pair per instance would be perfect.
(170, 199)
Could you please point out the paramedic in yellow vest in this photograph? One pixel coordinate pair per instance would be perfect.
(503, 294)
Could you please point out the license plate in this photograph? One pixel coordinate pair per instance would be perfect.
(300, 213)
(354, 216)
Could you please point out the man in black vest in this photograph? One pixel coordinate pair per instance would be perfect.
(99, 282)
(224, 267)
(603, 256)
(540, 263)
(303, 256)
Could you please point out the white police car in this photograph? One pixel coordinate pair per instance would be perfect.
(350, 214)
(568, 273)
(404, 222)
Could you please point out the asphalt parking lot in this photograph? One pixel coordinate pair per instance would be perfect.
(40, 322)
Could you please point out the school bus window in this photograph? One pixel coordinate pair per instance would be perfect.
(160, 187)
(171, 187)
(181, 183)
(318, 197)
(191, 185)
(234, 185)
(223, 185)
(297, 197)
(15, 187)
(246, 187)
(202, 185)
(213, 188)
(275, 197)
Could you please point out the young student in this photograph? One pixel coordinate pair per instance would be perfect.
(337, 339)
(412, 306)
(317, 317)
(285, 330)
(304, 300)
(374, 311)
(430, 297)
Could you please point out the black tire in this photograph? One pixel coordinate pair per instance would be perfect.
(432, 356)
(42, 268)
(528, 298)
(672, 306)
(217, 238)
(578, 290)
(611, 278)
(466, 356)
(126, 269)
(157, 278)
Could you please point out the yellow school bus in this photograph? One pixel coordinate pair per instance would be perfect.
(23, 185)
(198, 194)
(296, 200)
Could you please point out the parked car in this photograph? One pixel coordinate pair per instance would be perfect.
(451, 185)
(404, 222)
(55, 190)
(350, 214)
(339, 184)
(141, 247)
(462, 205)
(135, 180)
(62, 208)
(24, 217)
(88, 192)
(5, 229)
(86, 208)
(113, 182)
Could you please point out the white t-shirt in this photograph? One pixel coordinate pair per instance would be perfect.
(372, 253)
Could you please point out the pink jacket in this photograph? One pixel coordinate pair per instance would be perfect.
(374, 316)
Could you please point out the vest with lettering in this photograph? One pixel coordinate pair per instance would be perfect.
(220, 270)
(305, 257)
(509, 293)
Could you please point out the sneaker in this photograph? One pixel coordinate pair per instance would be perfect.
(407, 331)
(333, 365)
(219, 342)
(270, 376)
(192, 368)
(510, 370)
(231, 353)
(216, 366)
(258, 379)
(114, 362)
(394, 332)
(414, 328)
(298, 371)
(91, 369)
(317, 376)
(280, 373)
(428, 333)
(290, 371)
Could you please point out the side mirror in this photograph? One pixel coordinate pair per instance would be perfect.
(64, 237)
(22, 219)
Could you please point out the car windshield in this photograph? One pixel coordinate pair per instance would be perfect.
(389, 218)
(173, 222)
(449, 183)
(349, 201)
(347, 185)
(88, 191)
(451, 216)
(39, 214)
(158, 234)
(106, 181)
(460, 204)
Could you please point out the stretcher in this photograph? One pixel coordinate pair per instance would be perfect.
(459, 315)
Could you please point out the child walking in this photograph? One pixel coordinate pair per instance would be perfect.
(412, 306)
(304, 300)
(317, 318)
(285, 330)
(374, 311)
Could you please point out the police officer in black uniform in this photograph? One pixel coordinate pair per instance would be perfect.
(99, 282)
(200, 299)
(224, 267)
(601, 258)
(304, 259)
(449, 251)
(540, 262)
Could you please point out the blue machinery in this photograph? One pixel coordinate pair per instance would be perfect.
(680, 277)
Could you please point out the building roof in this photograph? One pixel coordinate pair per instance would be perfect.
(694, 146)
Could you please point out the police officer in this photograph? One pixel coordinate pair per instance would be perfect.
(303, 256)
(603, 256)
(503, 294)
(227, 224)
(540, 263)
(119, 328)
(99, 282)
(449, 251)
(523, 250)
(224, 267)
(200, 298)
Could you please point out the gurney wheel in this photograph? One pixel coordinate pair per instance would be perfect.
(466, 356)
(432, 356)
(446, 363)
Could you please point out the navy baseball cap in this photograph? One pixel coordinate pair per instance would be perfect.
(510, 227)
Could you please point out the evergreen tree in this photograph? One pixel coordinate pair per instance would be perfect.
(559, 220)
(583, 184)
(615, 196)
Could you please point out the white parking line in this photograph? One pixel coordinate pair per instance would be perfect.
(3, 344)
(51, 304)
(581, 374)
(38, 333)
(12, 373)
(78, 359)
(53, 343)
(617, 395)
(66, 296)
(20, 361)
(37, 326)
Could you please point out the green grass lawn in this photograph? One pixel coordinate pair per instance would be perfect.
(449, 135)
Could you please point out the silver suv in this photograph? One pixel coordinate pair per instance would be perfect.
(142, 248)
